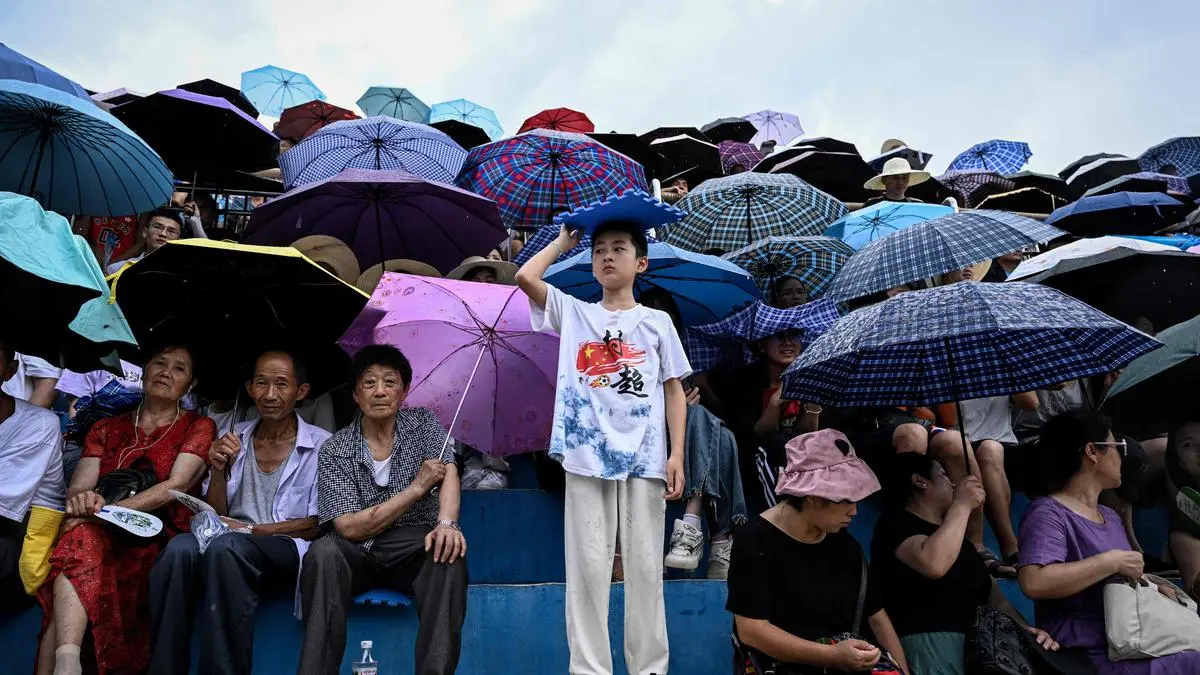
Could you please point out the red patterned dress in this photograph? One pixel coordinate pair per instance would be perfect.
(110, 568)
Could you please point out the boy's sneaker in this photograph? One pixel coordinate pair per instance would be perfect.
(718, 558)
(687, 547)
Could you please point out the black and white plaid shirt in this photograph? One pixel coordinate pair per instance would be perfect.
(346, 479)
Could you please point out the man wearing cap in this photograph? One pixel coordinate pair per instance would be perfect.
(897, 176)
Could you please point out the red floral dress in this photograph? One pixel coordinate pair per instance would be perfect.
(108, 567)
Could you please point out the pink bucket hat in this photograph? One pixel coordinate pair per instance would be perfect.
(823, 464)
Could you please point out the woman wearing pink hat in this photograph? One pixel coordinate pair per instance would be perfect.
(797, 580)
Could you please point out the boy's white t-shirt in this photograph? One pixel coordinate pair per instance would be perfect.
(610, 416)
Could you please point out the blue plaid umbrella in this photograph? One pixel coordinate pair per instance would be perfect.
(813, 261)
(731, 212)
(705, 288)
(974, 186)
(934, 247)
(273, 89)
(16, 66)
(373, 143)
(864, 226)
(709, 344)
(462, 110)
(994, 155)
(544, 237)
(961, 342)
(395, 102)
(1183, 153)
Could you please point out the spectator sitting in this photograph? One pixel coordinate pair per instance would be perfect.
(270, 494)
(676, 191)
(163, 225)
(895, 179)
(788, 292)
(377, 486)
(1183, 476)
(933, 578)
(796, 576)
(1071, 545)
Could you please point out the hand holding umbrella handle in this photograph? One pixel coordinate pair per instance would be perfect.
(454, 420)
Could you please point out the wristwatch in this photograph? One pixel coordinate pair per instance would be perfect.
(812, 408)
(450, 523)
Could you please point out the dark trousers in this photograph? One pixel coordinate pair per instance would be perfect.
(335, 570)
(228, 576)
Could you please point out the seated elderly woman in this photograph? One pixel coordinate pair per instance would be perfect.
(1070, 544)
(98, 574)
(796, 579)
(934, 580)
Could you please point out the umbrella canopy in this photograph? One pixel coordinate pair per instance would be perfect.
(382, 215)
(736, 211)
(213, 88)
(1143, 181)
(994, 155)
(813, 261)
(668, 132)
(559, 119)
(1150, 391)
(395, 102)
(1022, 200)
(306, 119)
(1082, 253)
(971, 187)
(933, 248)
(733, 129)
(737, 153)
(826, 144)
(1120, 213)
(193, 132)
(466, 135)
(234, 301)
(779, 127)
(547, 235)
(16, 66)
(840, 174)
(470, 113)
(376, 143)
(706, 288)
(709, 344)
(682, 153)
(99, 332)
(476, 360)
(636, 149)
(534, 175)
(918, 159)
(273, 89)
(960, 342)
(863, 226)
(931, 191)
(1070, 169)
(1100, 172)
(1043, 181)
(1181, 154)
(74, 157)
(111, 99)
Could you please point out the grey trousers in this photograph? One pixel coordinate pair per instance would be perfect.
(335, 570)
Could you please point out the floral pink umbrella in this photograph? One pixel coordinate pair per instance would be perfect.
(477, 362)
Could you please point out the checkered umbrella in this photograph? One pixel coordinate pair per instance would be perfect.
(544, 237)
(960, 342)
(735, 211)
(375, 143)
(1142, 181)
(709, 343)
(813, 261)
(994, 155)
(972, 186)
(1181, 153)
(934, 247)
(538, 173)
(864, 226)
(734, 153)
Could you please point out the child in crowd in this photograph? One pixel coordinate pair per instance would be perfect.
(619, 403)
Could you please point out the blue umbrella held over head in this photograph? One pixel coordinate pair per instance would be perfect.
(995, 155)
(273, 89)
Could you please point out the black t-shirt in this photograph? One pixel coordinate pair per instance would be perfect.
(808, 590)
(915, 603)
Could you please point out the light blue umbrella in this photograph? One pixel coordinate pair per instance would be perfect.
(273, 89)
(864, 226)
(393, 102)
(74, 157)
(16, 66)
(705, 288)
(462, 110)
(995, 155)
(99, 330)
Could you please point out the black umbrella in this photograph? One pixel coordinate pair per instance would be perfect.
(634, 148)
(729, 129)
(917, 159)
(693, 175)
(931, 191)
(1130, 183)
(667, 132)
(684, 152)
(213, 88)
(1100, 172)
(1071, 168)
(466, 135)
(827, 144)
(839, 174)
(1023, 200)
(1119, 213)
(1151, 390)
(1042, 181)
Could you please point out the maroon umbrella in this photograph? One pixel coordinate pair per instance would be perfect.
(301, 121)
(559, 119)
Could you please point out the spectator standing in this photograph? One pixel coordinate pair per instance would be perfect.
(895, 179)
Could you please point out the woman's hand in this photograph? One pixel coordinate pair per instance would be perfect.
(692, 396)
(1128, 564)
(84, 504)
(854, 655)
(1043, 638)
(1171, 592)
(969, 492)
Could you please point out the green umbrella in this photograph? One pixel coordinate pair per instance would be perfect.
(1155, 389)
(99, 330)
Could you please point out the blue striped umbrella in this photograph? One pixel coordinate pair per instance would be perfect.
(864, 226)
(395, 102)
(994, 155)
(16, 66)
(960, 342)
(1182, 153)
(375, 143)
(813, 261)
(462, 110)
(709, 343)
(272, 89)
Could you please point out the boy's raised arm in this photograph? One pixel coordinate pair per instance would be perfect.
(529, 277)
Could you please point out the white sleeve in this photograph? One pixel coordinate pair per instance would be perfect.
(52, 491)
(673, 361)
(550, 318)
(35, 367)
(32, 470)
(197, 227)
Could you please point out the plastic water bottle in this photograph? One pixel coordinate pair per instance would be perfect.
(366, 664)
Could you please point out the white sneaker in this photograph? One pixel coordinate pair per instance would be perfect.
(718, 558)
(687, 547)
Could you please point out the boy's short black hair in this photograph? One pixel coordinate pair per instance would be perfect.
(637, 236)
(382, 355)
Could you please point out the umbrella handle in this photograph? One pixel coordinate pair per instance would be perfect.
(461, 401)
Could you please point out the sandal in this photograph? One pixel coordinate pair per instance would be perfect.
(999, 569)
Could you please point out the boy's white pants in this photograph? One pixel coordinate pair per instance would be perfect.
(594, 507)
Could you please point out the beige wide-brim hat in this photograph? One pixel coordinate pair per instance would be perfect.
(891, 144)
(370, 278)
(330, 253)
(506, 272)
(897, 166)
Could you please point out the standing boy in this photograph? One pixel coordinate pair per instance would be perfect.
(619, 401)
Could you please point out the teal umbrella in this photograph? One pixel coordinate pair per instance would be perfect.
(393, 102)
(1154, 390)
(99, 330)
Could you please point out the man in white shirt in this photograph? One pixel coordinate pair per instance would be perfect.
(33, 380)
(164, 226)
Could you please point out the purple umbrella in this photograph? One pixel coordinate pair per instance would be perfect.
(383, 215)
(477, 362)
(734, 153)
(780, 127)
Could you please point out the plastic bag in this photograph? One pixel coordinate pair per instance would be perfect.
(206, 526)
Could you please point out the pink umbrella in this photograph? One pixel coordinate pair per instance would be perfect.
(476, 359)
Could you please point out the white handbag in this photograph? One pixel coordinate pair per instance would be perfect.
(1142, 623)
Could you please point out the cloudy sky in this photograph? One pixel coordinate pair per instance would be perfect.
(1069, 77)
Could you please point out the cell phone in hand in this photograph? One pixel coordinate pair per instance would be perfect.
(689, 383)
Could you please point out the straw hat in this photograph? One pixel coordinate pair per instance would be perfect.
(330, 253)
(506, 272)
(897, 166)
(891, 144)
(370, 278)
(823, 464)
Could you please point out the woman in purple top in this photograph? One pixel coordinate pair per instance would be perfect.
(1070, 545)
